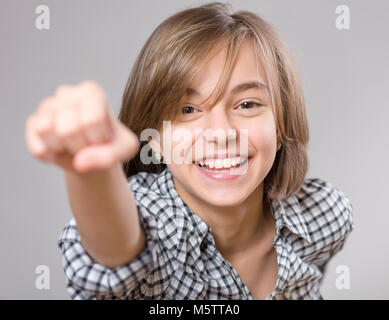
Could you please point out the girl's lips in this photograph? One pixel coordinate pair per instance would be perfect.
(224, 174)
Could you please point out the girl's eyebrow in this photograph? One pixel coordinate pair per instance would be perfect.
(238, 88)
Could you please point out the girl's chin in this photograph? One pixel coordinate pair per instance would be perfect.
(221, 201)
(224, 196)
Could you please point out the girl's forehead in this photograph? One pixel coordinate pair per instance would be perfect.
(247, 67)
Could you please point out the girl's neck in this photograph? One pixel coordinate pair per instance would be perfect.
(235, 229)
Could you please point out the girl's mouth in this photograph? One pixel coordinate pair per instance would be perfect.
(224, 169)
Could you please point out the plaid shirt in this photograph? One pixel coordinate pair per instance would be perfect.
(180, 260)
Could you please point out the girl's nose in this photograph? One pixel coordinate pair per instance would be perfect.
(218, 126)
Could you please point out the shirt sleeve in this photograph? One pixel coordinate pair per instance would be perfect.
(89, 280)
(333, 223)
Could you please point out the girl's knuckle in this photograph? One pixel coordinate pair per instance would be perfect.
(40, 153)
(89, 85)
(43, 124)
(65, 131)
(63, 89)
(92, 121)
(44, 104)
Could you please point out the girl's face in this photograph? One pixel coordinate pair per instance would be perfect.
(249, 108)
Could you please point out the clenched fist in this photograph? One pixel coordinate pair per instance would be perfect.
(75, 130)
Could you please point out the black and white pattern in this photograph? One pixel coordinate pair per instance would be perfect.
(180, 260)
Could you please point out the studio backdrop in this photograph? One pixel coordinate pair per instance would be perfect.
(341, 52)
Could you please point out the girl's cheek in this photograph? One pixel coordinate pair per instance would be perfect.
(262, 135)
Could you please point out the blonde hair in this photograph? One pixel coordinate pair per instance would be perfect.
(175, 53)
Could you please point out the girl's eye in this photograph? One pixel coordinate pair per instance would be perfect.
(189, 109)
(248, 105)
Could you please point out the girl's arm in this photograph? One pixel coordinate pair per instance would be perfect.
(106, 215)
(75, 130)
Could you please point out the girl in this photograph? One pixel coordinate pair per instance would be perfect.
(193, 229)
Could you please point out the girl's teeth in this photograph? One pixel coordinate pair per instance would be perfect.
(222, 163)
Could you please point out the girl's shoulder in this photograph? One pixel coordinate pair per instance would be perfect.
(143, 179)
(321, 199)
(328, 214)
(151, 184)
(154, 192)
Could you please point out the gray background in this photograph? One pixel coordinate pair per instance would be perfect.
(345, 79)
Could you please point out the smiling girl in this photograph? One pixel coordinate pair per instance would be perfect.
(193, 229)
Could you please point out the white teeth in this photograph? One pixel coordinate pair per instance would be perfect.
(222, 163)
(227, 163)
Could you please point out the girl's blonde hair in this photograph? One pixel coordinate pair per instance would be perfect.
(179, 48)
